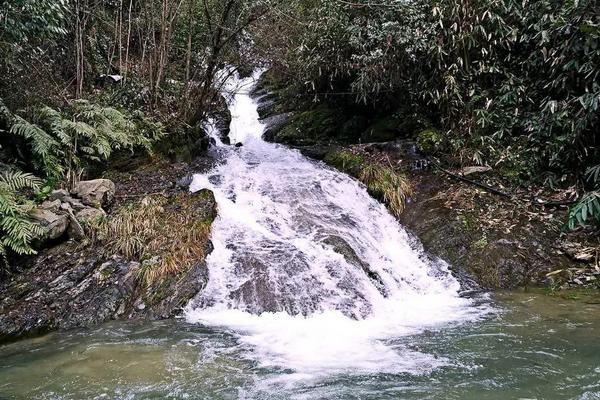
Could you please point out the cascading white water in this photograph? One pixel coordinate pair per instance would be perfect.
(311, 272)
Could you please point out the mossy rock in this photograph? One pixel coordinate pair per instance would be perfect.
(310, 127)
(429, 140)
(382, 130)
(344, 161)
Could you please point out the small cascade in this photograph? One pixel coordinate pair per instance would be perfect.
(309, 270)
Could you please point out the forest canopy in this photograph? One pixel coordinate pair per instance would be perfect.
(510, 84)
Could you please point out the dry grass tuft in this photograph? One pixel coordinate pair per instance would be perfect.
(384, 183)
(392, 187)
(166, 236)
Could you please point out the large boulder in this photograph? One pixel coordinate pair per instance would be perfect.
(53, 224)
(53, 206)
(59, 194)
(95, 193)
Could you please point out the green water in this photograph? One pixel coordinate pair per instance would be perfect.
(538, 347)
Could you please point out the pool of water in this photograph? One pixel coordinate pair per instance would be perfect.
(534, 347)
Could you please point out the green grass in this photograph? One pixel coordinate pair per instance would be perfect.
(344, 160)
(383, 183)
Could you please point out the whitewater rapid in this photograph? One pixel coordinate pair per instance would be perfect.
(308, 271)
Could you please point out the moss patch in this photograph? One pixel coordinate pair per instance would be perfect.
(309, 127)
(345, 161)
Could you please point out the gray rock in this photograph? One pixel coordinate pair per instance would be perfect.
(475, 170)
(89, 215)
(54, 225)
(76, 205)
(140, 305)
(342, 247)
(64, 197)
(316, 152)
(185, 182)
(72, 205)
(97, 192)
(75, 230)
(59, 194)
(53, 206)
(274, 124)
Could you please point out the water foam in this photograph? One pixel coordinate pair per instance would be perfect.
(308, 270)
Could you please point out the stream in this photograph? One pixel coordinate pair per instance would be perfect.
(316, 292)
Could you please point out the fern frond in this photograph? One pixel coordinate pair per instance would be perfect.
(42, 144)
(17, 180)
(8, 204)
(3, 254)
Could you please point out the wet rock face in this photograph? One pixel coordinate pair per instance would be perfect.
(274, 124)
(486, 253)
(61, 292)
(342, 247)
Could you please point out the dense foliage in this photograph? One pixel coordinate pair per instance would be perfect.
(512, 84)
(62, 143)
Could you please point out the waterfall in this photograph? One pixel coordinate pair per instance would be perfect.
(309, 271)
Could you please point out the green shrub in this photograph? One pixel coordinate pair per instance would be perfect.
(16, 228)
(587, 209)
(429, 140)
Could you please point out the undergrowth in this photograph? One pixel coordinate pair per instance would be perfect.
(17, 229)
(166, 243)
